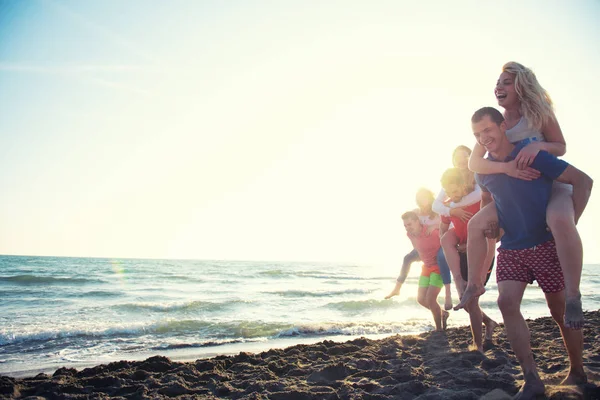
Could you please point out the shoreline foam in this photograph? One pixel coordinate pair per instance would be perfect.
(432, 365)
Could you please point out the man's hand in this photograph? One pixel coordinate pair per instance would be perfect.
(526, 174)
(461, 214)
(461, 248)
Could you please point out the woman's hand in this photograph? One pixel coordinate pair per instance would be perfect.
(527, 155)
(461, 214)
(527, 174)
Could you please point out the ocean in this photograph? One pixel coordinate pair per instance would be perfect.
(80, 312)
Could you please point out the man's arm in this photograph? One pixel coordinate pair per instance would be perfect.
(582, 188)
(438, 205)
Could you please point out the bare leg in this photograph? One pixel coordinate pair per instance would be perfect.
(427, 297)
(445, 316)
(406, 263)
(477, 249)
(476, 318)
(395, 291)
(446, 278)
(490, 325)
(517, 331)
(449, 241)
(561, 220)
(572, 338)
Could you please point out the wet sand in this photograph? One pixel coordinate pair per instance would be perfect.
(428, 366)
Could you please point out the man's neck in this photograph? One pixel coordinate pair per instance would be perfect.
(504, 151)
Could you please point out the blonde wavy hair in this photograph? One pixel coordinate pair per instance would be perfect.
(536, 104)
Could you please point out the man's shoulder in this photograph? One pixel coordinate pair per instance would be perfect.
(548, 164)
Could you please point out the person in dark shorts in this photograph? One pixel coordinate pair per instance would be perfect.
(527, 249)
(464, 269)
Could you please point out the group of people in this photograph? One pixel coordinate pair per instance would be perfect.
(520, 195)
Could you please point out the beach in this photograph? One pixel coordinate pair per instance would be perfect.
(431, 365)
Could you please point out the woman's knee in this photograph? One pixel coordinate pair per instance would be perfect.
(560, 221)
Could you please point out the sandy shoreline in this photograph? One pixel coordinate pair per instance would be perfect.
(427, 366)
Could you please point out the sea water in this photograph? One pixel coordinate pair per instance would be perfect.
(80, 312)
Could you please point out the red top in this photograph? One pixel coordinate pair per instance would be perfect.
(427, 245)
(460, 226)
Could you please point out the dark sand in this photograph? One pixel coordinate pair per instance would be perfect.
(428, 366)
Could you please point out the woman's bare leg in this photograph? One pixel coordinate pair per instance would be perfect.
(477, 250)
(560, 218)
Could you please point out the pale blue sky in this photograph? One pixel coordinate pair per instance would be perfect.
(262, 129)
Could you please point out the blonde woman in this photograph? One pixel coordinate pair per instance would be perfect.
(529, 117)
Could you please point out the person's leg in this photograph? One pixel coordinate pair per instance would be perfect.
(476, 315)
(445, 273)
(573, 339)
(560, 217)
(490, 325)
(434, 307)
(517, 331)
(422, 296)
(410, 258)
(477, 249)
(449, 241)
(476, 319)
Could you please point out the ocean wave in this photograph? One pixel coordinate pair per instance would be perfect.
(206, 329)
(207, 343)
(95, 293)
(327, 293)
(350, 328)
(281, 273)
(275, 273)
(44, 280)
(366, 305)
(227, 329)
(180, 307)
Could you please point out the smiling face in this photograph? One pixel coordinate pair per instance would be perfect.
(490, 135)
(424, 200)
(412, 226)
(461, 159)
(505, 91)
(455, 191)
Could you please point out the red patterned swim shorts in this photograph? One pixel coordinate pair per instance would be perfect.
(538, 263)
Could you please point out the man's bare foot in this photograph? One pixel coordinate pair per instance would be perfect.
(448, 303)
(574, 379)
(394, 292)
(489, 330)
(445, 315)
(574, 312)
(472, 291)
(530, 390)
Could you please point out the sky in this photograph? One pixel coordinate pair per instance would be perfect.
(263, 130)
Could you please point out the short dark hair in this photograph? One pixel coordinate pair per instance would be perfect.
(453, 176)
(495, 115)
(410, 215)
